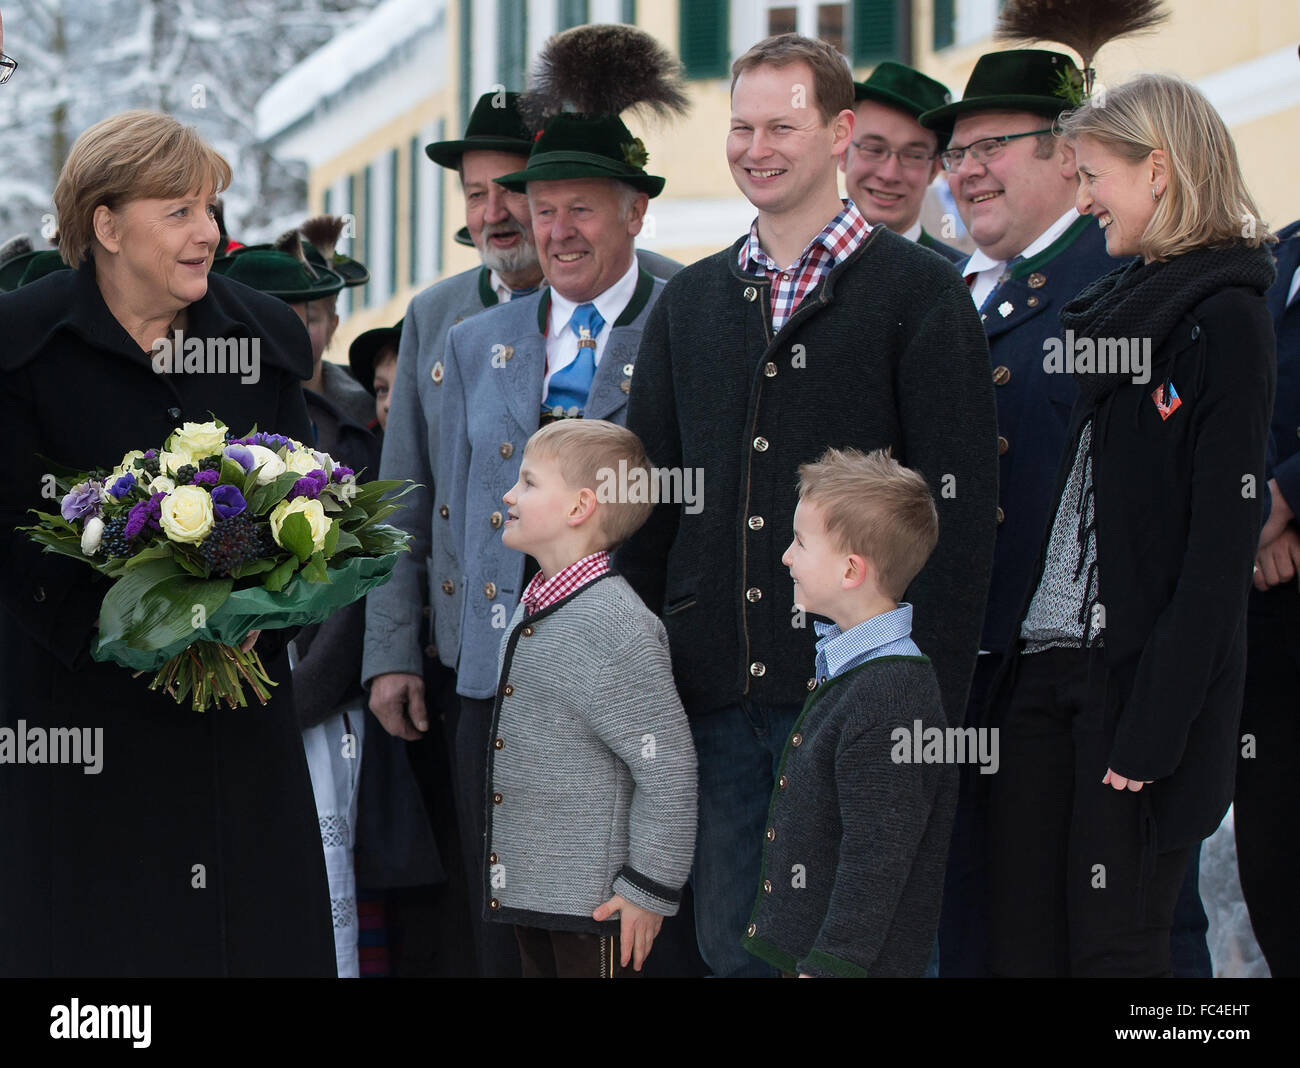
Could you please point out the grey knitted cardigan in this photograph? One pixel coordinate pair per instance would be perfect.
(592, 785)
(856, 843)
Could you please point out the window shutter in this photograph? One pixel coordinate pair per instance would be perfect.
(702, 38)
(875, 32)
(512, 38)
(628, 12)
(466, 59)
(572, 13)
(945, 23)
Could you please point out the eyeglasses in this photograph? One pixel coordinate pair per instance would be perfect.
(983, 150)
(7, 68)
(911, 159)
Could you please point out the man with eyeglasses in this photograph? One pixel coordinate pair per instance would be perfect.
(892, 158)
(1015, 182)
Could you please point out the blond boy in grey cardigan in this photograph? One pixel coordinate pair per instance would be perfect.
(591, 802)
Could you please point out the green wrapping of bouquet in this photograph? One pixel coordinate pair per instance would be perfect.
(219, 614)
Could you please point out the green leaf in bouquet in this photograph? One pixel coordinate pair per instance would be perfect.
(174, 609)
(159, 550)
(331, 540)
(232, 474)
(118, 609)
(264, 498)
(314, 570)
(278, 577)
(190, 559)
(346, 541)
(253, 567)
(295, 535)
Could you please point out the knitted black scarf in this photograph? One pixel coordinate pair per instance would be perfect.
(1148, 300)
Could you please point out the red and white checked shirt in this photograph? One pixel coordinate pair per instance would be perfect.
(790, 285)
(544, 592)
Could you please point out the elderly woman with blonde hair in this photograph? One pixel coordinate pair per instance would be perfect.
(191, 848)
(1119, 716)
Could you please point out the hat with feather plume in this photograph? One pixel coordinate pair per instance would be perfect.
(583, 81)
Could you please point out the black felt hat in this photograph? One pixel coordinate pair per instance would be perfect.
(462, 237)
(1024, 79)
(322, 233)
(366, 346)
(495, 125)
(39, 265)
(586, 146)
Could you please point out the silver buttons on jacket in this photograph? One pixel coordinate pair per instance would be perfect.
(758, 669)
(755, 522)
(769, 369)
(761, 444)
(753, 595)
(751, 294)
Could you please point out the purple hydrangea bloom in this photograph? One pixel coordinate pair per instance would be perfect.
(343, 471)
(227, 501)
(145, 514)
(241, 456)
(122, 486)
(82, 501)
(309, 485)
(205, 478)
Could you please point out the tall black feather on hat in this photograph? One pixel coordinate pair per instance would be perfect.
(1084, 25)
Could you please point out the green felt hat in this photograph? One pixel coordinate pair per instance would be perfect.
(366, 346)
(278, 274)
(39, 265)
(15, 255)
(586, 146)
(494, 125)
(1024, 79)
(462, 237)
(903, 88)
(353, 272)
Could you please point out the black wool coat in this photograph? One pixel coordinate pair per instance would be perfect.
(886, 351)
(195, 850)
(1178, 508)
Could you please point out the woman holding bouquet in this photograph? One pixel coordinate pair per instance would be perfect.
(193, 848)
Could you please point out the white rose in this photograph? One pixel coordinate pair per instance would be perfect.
(90, 535)
(272, 467)
(170, 463)
(313, 511)
(186, 514)
(161, 484)
(198, 440)
(303, 462)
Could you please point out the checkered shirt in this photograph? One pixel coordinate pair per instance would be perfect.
(790, 285)
(544, 592)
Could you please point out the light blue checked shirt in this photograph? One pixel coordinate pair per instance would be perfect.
(888, 634)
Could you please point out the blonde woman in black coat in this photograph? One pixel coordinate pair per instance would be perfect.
(193, 848)
(1118, 728)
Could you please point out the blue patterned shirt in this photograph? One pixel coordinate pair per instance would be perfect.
(888, 634)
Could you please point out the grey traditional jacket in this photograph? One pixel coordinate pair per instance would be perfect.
(398, 624)
(592, 771)
(491, 405)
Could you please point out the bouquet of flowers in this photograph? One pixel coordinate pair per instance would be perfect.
(210, 538)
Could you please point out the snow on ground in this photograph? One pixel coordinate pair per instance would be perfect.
(1233, 950)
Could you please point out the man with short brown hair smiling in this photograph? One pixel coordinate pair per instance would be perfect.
(813, 329)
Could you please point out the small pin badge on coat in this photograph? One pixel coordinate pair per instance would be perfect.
(1006, 308)
(1167, 399)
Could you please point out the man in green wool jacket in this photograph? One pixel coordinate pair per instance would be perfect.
(812, 330)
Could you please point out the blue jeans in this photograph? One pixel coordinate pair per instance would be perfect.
(739, 748)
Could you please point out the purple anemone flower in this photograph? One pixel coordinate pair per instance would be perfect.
(122, 486)
(227, 501)
(241, 456)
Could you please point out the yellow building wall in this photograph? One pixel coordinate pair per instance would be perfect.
(1200, 38)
